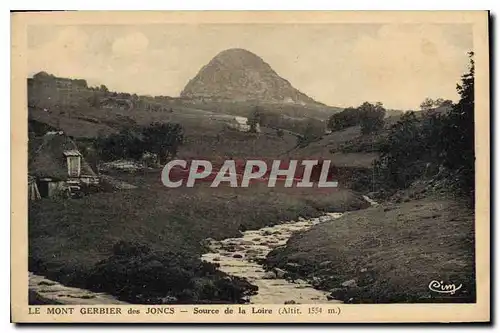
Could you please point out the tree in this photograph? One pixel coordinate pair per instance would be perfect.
(427, 104)
(371, 117)
(401, 154)
(125, 144)
(313, 131)
(163, 139)
(94, 100)
(103, 88)
(458, 133)
(438, 146)
(438, 102)
(255, 119)
(447, 103)
(348, 117)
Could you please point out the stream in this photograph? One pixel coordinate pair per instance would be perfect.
(239, 256)
(52, 291)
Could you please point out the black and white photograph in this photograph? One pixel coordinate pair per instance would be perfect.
(286, 168)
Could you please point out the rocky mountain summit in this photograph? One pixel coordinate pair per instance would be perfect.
(240, 75)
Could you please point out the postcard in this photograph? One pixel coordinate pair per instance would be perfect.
(250, 167)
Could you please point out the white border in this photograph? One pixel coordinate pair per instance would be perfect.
(186, 5)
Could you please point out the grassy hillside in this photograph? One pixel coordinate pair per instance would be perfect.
(68, 238)
(204, 136)
(391, 252)
(335, 146)
(245, 108)
(230, 143)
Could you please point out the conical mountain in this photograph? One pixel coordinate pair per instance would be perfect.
(240, 75)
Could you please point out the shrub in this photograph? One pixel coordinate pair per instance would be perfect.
(347, 118)
(137, 274)
(161, 139)
(371, 117)
(312, 132)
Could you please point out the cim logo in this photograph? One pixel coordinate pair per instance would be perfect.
(301, 173)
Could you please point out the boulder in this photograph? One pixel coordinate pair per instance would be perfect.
(349, 283)
(280, 274)
(325, 263)
(292, 266)
(169, 300)
(337, 294)
(237, 255)
(269, 275)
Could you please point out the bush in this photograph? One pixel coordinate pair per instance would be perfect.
(137, 274)
(369, 116)
(347, 118)
(312, 132)
(161, 139)
(125, 144)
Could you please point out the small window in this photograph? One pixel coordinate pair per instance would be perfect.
(74, 166)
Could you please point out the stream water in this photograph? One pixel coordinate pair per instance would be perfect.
(53, 291)
(239, 256)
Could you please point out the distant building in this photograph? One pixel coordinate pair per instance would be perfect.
(241, 124)
(57, 167)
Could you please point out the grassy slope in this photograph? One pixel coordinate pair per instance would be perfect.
(330, 146)
(241, 108)
(230, 143)
(68, 237)
(204, 137)
(402, 247)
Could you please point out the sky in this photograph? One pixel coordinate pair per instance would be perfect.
(336, 64)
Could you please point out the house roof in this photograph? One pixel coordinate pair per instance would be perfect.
(72, 152)
(47, 157)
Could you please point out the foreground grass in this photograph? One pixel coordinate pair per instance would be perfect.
(68, 238)
(391, 252)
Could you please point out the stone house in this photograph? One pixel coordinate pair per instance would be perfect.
(57, 165)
